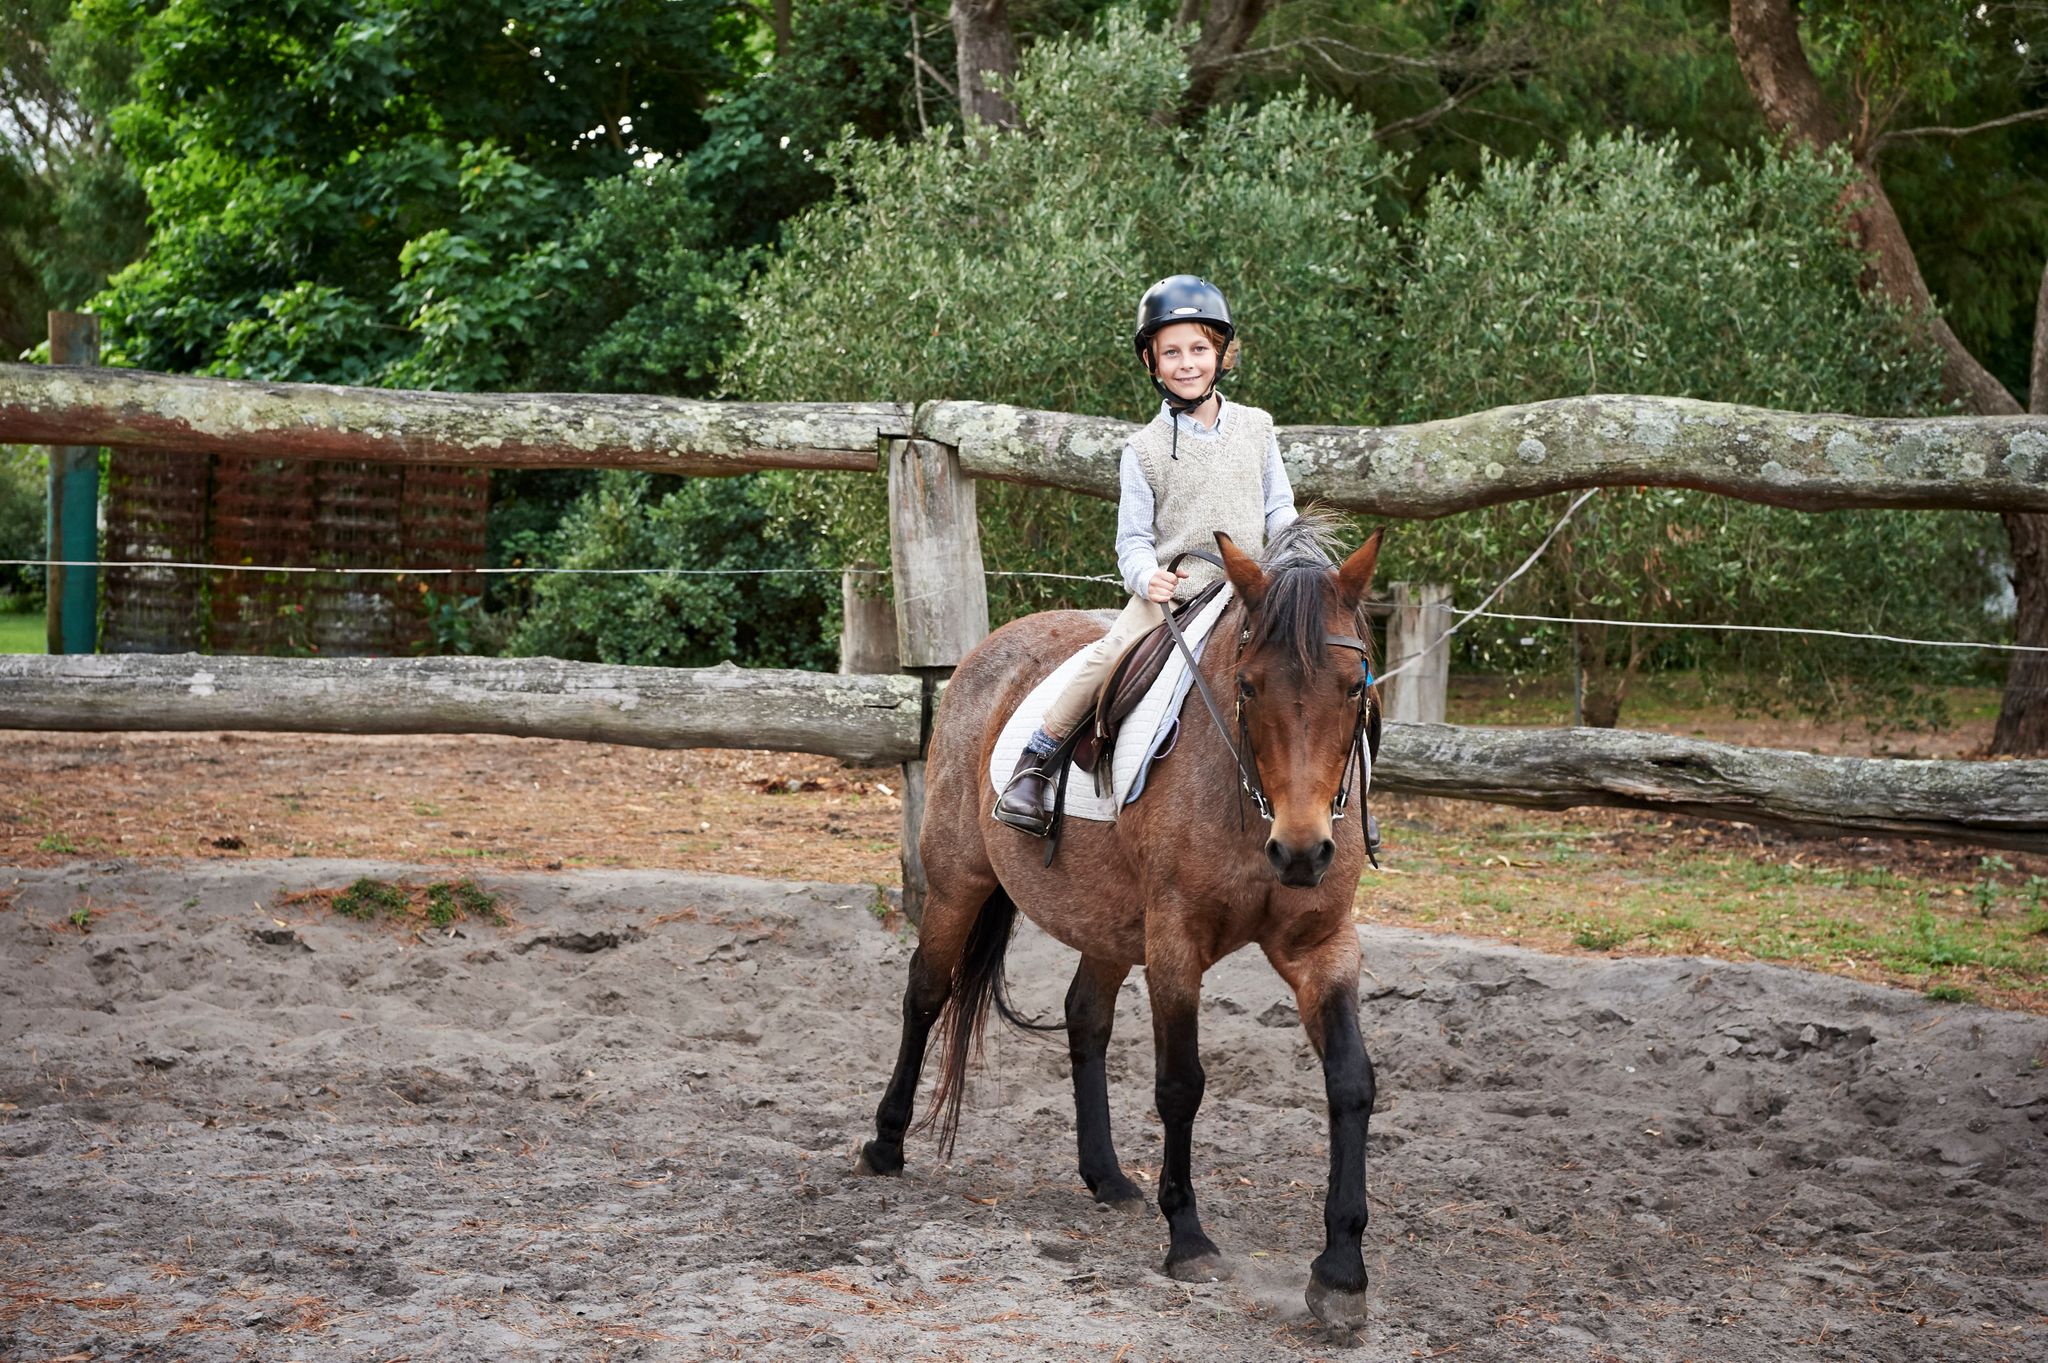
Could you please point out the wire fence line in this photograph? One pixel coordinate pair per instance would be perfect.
(534, 570)
(1104, 579)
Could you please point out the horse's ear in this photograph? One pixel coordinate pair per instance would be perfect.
(1247, 579)
(1354, 578)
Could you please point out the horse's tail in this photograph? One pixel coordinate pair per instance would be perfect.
(977, 981)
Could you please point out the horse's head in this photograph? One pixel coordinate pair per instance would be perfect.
(1300, 696)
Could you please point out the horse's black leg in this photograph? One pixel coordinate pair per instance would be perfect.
(1336, 1290)
(924, 997)
(1091, 1011)
(1191, 1255)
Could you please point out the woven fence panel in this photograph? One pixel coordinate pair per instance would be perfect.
(338, 515)
(154, 505)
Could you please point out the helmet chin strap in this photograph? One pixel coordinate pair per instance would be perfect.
(1179, 404)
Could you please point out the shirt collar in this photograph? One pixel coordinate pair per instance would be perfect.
(1192, 427)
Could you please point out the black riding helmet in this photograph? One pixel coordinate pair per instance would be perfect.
(1181, 298)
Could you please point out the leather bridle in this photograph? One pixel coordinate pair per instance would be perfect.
(1365, 729)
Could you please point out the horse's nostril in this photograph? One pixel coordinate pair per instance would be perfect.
(1276, 854)
(1324, 852)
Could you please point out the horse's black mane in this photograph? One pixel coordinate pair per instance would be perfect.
(1299, 563)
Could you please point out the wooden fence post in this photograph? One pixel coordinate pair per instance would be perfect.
(941, 601)
(867, 634)
(72, 611)
(1421, 615)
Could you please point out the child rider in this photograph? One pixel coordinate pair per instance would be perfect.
(1200, 466)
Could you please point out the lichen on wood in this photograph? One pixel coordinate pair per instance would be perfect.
(121, 407)
(859, 718)
(1810, 461)
(1995, 804)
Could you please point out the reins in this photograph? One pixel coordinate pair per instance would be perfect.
(1248, 771)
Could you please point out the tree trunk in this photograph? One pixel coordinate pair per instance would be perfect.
(2023, 718)
(983, 47)
(779, 20)
(1227, 25)
(1601, 684)
(1773, 61)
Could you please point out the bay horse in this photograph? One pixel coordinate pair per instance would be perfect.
(1182, 879)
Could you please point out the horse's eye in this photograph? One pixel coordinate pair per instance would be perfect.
(1357, 690)
(1244, 688)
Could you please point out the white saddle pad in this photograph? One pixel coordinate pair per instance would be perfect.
(1147, 732)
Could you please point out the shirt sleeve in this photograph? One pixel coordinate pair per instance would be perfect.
(1136, 550)
(1280, 512)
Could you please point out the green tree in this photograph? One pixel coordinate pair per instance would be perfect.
(70, 211)
(376, 191)
(1004, 270)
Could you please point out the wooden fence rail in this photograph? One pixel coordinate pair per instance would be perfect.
(868, 719)
(875, 719)
(132, 407)
(1996, 804)
(1815, 463)
(1822, 462)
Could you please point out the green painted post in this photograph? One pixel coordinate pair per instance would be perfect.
(73, 612)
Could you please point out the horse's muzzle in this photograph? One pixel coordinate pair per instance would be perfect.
(1301, 867)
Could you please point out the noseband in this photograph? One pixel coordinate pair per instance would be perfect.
(1365, 729)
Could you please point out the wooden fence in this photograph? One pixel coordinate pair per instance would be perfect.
(932, 455)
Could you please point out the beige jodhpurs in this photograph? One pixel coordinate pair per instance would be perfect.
(1074, 704)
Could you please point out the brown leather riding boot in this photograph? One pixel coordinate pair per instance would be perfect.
(1022, 803)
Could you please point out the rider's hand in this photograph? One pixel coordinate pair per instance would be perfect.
(1160, 587)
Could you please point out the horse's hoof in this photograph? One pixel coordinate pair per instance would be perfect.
(1336, 1308)
(876, 1158)
(1120, 1194)
(1199, 1268)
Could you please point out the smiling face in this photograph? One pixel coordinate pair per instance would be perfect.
(1184, 358)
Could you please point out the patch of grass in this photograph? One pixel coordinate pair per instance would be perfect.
(437, 904)
(1659, 892)
(81, 918)
(1950, 993)
(448, 900)
(371, 898)
(23, 634)
(56, 842)
(1594, 936)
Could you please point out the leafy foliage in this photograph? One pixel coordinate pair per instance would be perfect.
(684, 619)
(24, 500)
(1614, 268)
(381, 191)
(70, 211)
(1003, 270)
(656, 295)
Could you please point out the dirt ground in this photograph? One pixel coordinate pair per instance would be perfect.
(480, 802)
(621, 1126)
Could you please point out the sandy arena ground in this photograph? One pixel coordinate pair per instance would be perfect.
(621, 1126)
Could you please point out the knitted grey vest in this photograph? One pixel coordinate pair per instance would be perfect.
(1214, 485)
